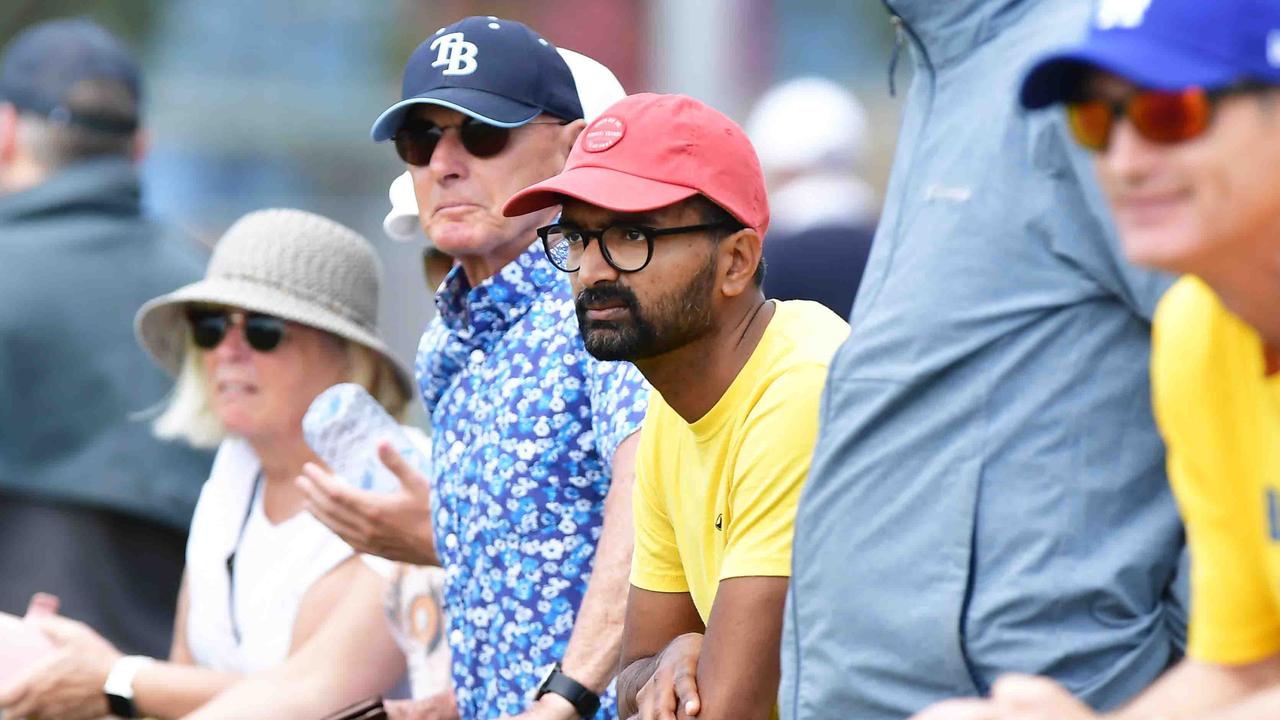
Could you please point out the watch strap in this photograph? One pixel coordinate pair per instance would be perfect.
(119, 685)
(584, 700)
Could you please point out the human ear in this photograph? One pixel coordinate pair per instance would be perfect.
(569, 133)
(740, 253)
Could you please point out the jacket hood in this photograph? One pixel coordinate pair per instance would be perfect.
(948, 29)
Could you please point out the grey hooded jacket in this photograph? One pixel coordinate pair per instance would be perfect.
(77, 260)
(988, 490)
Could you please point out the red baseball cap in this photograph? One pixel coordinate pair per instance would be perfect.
(649, 151)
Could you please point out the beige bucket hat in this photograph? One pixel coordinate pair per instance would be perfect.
(291, 264)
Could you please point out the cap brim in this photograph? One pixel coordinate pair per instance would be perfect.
(1136, 58)
(602, 187)
(479, 104)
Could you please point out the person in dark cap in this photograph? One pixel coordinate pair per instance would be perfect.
(93, 508)
(534, 438)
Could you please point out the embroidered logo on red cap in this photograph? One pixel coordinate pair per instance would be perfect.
(603, 134)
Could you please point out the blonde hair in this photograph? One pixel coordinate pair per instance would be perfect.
(188, 416)
(374, 373)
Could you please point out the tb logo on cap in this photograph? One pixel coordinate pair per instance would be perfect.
(455, 53)
(1126, 14)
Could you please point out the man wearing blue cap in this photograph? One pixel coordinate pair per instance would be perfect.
(533, 438)
(92, 507)
(1179, 99)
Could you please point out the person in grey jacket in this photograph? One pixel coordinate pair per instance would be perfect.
(988, 490)
(92, 507)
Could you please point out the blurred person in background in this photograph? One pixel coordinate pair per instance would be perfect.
(1181, 102)
(813, 140)
(988, 489)
(534, 443)
(287, 309)
(90, 501)
(665, 213)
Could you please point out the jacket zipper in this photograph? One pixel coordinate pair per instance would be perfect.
(898, 41)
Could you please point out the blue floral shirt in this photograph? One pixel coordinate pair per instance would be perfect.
(525, 423)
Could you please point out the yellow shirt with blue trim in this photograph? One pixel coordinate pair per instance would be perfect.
(1219, 412)
(716, 499)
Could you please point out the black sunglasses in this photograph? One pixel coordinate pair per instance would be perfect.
(209, 327)
(416, 139)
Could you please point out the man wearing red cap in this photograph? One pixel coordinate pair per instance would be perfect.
(664, 214)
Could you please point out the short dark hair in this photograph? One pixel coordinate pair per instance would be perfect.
(710, 212)
(55, 144)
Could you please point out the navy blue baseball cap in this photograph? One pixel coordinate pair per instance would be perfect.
(494, 70)
(44, 63)
(1166, 45)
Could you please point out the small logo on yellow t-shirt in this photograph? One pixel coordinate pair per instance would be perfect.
(720, 521)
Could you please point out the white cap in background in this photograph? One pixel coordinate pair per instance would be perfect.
(813, 140)
(807, 124)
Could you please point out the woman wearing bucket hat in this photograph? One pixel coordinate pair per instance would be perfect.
(287, 309)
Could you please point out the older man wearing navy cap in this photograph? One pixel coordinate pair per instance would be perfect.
(1178, 99)
(533, 438)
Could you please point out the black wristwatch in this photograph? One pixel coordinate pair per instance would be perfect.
(586, 702)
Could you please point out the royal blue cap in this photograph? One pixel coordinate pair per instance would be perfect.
(497, 71)
(44, 63)
(1166, 45)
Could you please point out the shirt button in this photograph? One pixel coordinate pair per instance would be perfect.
(477, 356)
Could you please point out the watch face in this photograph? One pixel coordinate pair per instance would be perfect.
(120, 706)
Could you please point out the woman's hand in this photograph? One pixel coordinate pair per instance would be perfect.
(67, 685)
(396, 526)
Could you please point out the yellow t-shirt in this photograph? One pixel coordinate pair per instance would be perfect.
(1220, 417)
(717, 499)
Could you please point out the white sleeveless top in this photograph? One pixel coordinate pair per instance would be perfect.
(275, 566)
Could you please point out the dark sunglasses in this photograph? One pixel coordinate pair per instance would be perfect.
(416, 140)
(209, 327)
(1160, 116)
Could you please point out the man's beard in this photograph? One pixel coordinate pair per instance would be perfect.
(674, 321)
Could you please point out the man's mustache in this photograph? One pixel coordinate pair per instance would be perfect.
(599, 296)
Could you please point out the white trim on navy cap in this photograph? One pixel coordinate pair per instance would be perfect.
(394, 112)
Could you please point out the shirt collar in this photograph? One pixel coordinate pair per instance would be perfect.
(485, 312)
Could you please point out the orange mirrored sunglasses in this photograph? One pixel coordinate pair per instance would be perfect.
(1160, 116)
